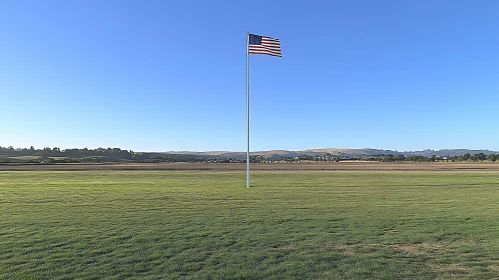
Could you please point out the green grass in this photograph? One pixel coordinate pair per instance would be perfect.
(24, 157)
(290, 225)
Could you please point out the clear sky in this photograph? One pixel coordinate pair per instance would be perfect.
(170, 75)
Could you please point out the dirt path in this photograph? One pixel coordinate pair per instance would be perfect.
(348, 165)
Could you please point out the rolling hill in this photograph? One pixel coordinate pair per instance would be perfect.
(344, 153)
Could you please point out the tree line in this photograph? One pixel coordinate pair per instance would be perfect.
(102, 155)
(434, 158)
(56, 155)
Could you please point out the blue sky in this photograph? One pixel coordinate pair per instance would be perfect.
(170, 75)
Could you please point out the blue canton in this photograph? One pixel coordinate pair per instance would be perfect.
(255, 39)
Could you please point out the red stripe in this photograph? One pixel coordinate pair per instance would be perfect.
(263, 49)
(266, 46)
(271, 44)
(260, 51)
(269, 51)
(269, 38)
(279, 55)
(266, 52)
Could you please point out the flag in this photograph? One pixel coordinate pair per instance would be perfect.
(264, 45)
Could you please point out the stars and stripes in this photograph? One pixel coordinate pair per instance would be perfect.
(264, 45)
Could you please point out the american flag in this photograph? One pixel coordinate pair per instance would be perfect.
(264, 45)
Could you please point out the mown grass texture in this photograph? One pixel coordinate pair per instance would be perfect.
(289, 225)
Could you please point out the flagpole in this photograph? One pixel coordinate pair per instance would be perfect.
(247, 114)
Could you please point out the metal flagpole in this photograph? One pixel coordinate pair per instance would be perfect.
(247, 113)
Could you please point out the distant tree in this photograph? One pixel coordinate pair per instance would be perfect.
(387, 158)
(492, 157)
(478, 157)
(327, 156)
(481, 157)
(466, 156)
(417, 158)
(399, 158)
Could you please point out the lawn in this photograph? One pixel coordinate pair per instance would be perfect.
(289, 225)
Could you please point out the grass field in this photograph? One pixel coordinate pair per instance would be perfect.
(290, 225)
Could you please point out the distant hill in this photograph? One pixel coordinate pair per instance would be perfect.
(343, 153)
(449, 152)
(106, 155)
